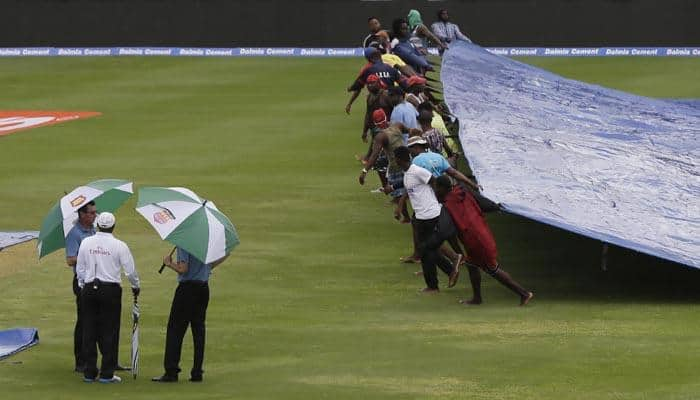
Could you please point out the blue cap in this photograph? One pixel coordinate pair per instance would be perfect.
(369, 51)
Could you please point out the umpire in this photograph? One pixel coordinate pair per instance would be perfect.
(189, 308)
(100, 260)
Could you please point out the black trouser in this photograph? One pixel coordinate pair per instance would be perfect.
(189, 308)
(428, 249)
(100, 311)
(78, 331)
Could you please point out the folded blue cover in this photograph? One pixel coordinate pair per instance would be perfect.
(15, 340)
(8, 239)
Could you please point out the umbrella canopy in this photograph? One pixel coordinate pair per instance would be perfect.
(108, 195)
(135, 314)
(186, 220)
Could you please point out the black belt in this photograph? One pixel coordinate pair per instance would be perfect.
(192, 282)
(98, 282)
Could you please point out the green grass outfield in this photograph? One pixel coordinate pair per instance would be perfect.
(313, 304)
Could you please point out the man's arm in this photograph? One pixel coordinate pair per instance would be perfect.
(72, 248)
(79, 268)
(180, 267)
(422, 29)
(377, 146)
(400, 206)
(462, 178)
(355, 94)
(127, 261)
(368, 121)
(459, 35)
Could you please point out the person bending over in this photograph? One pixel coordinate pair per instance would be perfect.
(478, 241)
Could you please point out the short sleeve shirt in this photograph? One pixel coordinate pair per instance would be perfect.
(433, 162)
(423, 200)
(406, 114)
(75, 237)
(196, 270)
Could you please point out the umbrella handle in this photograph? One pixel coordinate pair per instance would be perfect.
(162, 267)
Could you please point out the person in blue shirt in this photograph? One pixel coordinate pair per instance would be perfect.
(436, 163)
(82, 229)
(407, 50)
(404, 112)
(189, 307)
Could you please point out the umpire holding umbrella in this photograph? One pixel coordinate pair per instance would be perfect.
(100, 260)
(189, 308)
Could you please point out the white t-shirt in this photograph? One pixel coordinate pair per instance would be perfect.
(102, 257)
(425, 204)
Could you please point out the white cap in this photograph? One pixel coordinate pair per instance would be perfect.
(106, 220)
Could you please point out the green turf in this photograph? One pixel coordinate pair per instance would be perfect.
(313, 304)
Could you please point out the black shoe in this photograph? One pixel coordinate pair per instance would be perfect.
(165, 379)
(196, 378)
(120, 368)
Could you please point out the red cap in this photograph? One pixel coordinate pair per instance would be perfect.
(379, 117)
(375, 79)
(416, 80)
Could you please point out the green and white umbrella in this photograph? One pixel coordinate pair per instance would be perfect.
(188, 221)
(108, 195)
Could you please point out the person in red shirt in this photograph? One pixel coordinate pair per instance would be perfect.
(477, 239)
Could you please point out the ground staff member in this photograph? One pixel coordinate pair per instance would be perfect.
(82, 229)
(417, 181)
(189, 308)
(100, 260)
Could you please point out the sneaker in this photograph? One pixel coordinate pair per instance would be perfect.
(165, 379)
(196, 378)
(113, 379)
(89, 380)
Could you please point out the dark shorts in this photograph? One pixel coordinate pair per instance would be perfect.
(382, 163)
(395, 179)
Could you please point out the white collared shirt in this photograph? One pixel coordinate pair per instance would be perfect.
(102, 257)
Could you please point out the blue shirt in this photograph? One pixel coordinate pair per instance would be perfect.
(406, 114)
(433, 162)
(196, 270)
(75, 237)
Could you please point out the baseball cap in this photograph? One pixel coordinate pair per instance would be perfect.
(106, 220)
(416, 80)
(379, 117)
(414, 140)
(375, 79)
(369, 51)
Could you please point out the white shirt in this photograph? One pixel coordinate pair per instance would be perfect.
(102, 257)
(425, 204)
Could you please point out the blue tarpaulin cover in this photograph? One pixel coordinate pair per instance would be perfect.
(8, 239)
(599, 162)
(15, 340)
